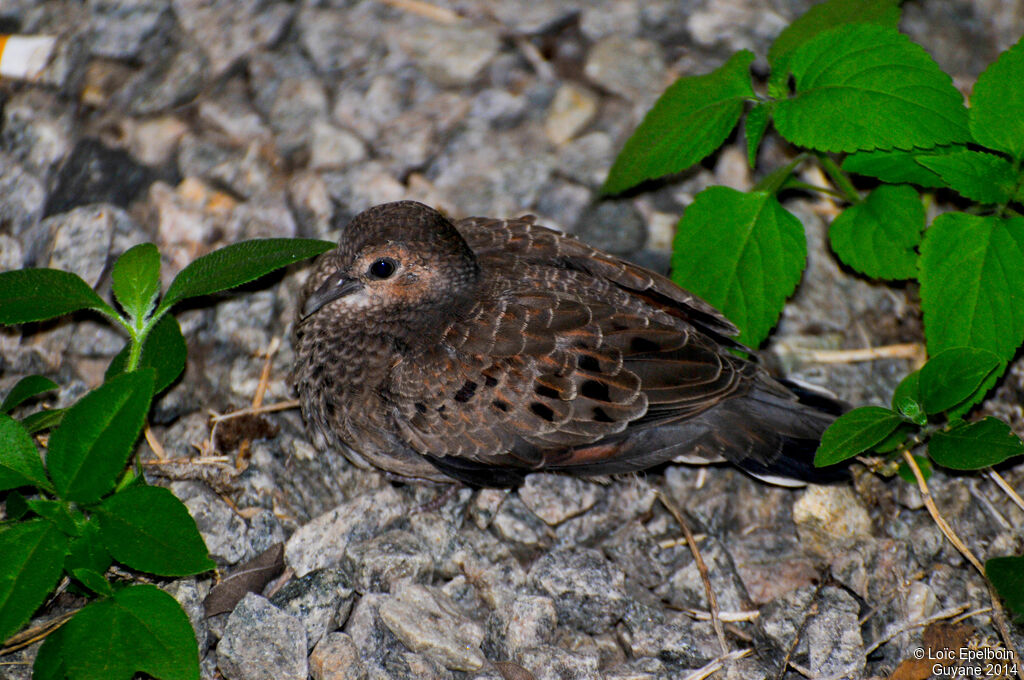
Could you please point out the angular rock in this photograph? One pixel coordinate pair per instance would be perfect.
(588, 591)
(323, 541)
(336, 658)
(321, 599)
(830, 518)
(451, 56)
(556, 498)
(261, 642)
(633, 69)
(428, 622)
(374, 565)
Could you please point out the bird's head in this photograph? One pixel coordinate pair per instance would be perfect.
(397, 266)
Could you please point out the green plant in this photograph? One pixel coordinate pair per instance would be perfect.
(85, 508)
(860, 99)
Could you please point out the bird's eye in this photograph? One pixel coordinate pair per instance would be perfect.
(383, 268)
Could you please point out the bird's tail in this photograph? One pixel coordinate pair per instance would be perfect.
(771, 432)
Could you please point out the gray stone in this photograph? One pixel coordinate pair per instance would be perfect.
(610, 17)
(529, 16)
(680, 645)
(588, 591)
(383, 654)
(121, 28)
(224, 532)
(527, 621)
(81, 240)
(587, 159)
(37, 130)
(548, 662)
(377, 563)
(633, 69)
(634, 550)
(555, 498)
(829, 518)
(247, 174)
(228, 30)
(262, 643)
(298, 104)
(451, 56)
(427, 621)
(321, 599)
(339, 40)
(686, 587)
(485, 506)
(24, 198)
(332, 147)
(323, 541)
(175, 73)
(336, 658)
(833, 636)
(571, 111)
(515, 522)
(614, 226)
(190, 593)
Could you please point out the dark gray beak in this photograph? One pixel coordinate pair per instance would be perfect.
(336, 286)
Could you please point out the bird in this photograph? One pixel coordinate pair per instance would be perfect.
(482, 350)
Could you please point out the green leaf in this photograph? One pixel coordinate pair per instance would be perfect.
(689, 121)
(863, 86)
(164, 350)
(16, 506)
(149, 529)
(954, 376)
(898, 167)
(20, 463)
(906, 398)
(136, 279)
(981, 177)
(828, 15)
(38, 294)
(855, 432)
(237, 264)
(1007, 576)
(141, 629)
(754, 128)
(907, 475)
(93, 580)
(49, 663)
(43, 420)
(97, 435)
(972, 283)
(33, 553)
(57, 512)
(997, 104)
(87, 550)
(743, 253)
(877, 236)
(976, 445)
(895, 439)
(25, 389)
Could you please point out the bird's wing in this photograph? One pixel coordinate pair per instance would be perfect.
(566, 347)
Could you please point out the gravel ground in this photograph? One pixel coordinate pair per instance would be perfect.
(197, 123)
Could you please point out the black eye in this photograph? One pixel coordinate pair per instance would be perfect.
(383, 268)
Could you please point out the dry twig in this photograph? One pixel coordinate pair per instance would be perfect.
(998, 615)
(716, 621)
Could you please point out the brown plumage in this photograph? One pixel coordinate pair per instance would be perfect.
(486, 349)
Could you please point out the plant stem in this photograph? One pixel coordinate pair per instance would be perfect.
(840, 179)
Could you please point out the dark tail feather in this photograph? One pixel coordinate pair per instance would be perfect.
(771, 433)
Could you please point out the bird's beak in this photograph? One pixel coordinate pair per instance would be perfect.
(336, 286)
